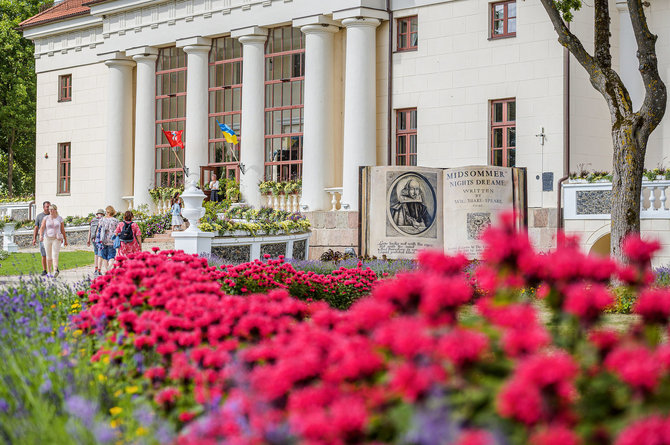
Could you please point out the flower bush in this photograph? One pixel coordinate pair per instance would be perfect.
(155, 225)
(435, 355)
(252, 221)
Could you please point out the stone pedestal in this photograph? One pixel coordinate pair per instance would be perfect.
(8, 243)
(332, 230)
(194, 242)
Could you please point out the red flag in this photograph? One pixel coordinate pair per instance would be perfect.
(174, 138)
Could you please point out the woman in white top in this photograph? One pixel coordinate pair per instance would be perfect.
(52, 233)
(214, 187)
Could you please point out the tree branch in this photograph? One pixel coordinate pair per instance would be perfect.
(653, 107)
(601, 33)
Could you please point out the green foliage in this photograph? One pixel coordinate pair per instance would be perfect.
(17, 99)
(164, 193)
(8, 199)
(252, 221)
(625, 297)
(567, 6)
(280, 188)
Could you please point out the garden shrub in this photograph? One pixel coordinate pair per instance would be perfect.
(402, 365)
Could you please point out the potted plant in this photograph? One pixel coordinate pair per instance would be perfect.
(232, 190)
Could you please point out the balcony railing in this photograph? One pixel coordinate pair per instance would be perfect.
(594, 200)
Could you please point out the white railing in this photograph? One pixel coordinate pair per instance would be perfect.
(11, 209)
(335, 195)
(290, 203)
(593, 200)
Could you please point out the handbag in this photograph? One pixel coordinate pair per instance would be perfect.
(117, 241)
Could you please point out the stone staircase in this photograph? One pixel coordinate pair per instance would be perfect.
(163, 241)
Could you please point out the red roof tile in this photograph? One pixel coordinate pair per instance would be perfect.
(63, 10)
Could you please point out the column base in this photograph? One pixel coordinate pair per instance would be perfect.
(193, 242)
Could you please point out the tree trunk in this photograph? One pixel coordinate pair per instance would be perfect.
(10, 163)
(629, 153)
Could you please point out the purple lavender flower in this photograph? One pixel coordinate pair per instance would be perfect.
(104, 433)
(82, 409)
(4, 406)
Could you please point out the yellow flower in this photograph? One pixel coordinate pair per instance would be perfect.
(105, 360)
(102, 378)
(115, 411)
(132, 389)
(141, 431)
(77, 333)
(114, 423)
(118, 393)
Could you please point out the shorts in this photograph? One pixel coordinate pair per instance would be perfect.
(107, 253)
(96, 250)
(43, 251)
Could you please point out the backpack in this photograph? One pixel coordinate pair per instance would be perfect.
(126, 235)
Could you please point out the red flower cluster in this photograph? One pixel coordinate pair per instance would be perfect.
(313, 374)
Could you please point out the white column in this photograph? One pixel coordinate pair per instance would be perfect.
(318, 154)
(145, 125)
(197, 103)
(118, 169)
(360, 142)
(252, 153)
(628, 61)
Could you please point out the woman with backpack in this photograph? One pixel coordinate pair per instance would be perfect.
(130, 235)
(104, 238)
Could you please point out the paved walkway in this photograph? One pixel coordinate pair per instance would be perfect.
(72, 277)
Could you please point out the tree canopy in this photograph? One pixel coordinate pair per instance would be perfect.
(17, 99)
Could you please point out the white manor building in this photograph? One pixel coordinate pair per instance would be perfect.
(314, 89)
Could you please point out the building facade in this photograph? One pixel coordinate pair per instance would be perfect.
(316, 89)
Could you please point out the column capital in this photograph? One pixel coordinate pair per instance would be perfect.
(116, 58)
(360, 22)
(115, 63)
(320, 20)
(622, 5)
(244, 40)
(360, 13)
(142, 51)
(319, 29)
(194, 42)
(249, 31)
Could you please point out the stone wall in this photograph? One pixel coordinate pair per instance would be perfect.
(76, 236)
(542, 227)
(332, 230)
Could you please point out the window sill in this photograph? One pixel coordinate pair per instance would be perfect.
(64, 100)
(63, 194)
(408, 50)
(511, 36)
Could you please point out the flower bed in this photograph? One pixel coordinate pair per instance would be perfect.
(244, 220)
(409, 364)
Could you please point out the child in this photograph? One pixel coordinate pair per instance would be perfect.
(92, 233)
(177, 221)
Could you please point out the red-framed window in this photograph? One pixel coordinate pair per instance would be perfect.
(225, 105)
(170, 114)
(284, 99)
(408, 33)
(405, 137)
(64, 157)
(503, 19)
(503, 132)
(65, 88)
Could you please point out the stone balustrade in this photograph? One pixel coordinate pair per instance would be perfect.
(594, 200)
(290, 203)
(240, 249)
(18, 210)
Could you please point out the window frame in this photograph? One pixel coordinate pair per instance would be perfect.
(505, 20)
(65, 88)
(406, 38)
(504, 124)
(285, 169)
(67, 162)
(174, 175)
(406, 135)
(229, 113)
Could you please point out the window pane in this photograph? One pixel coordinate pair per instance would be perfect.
(414, 24)
(511, 25)
(414, 39)
(498, 112)
(497, 158)
(412, 120)
(412, 160)
(498, 12)
(511, 137)
(511, 10)
(498, 27)
(497, 138)
(402, 145)
(402, 121)
(511, 111)
(402, 26)
(412, 144)
(511, 158)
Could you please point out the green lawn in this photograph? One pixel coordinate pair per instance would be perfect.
(27, 263)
